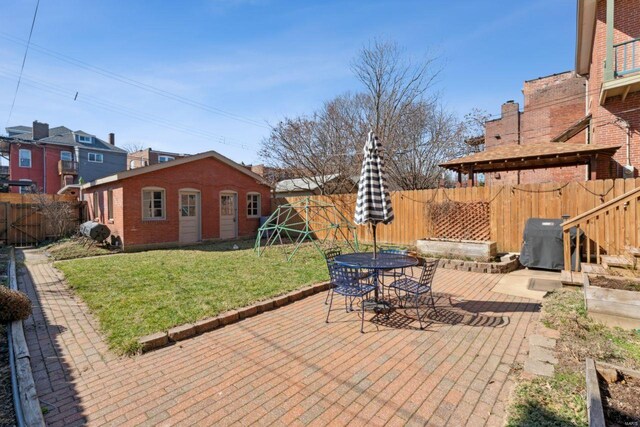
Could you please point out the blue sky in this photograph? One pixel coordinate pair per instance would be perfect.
(259, 60)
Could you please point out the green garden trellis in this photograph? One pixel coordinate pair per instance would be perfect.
(306, 220)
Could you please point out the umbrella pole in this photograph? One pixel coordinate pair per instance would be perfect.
(373, 226)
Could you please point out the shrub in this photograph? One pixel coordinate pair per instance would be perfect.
(14, 305)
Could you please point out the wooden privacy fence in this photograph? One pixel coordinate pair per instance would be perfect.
(509, 207)
(27, 219)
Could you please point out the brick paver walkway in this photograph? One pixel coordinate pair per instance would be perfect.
(286, 366)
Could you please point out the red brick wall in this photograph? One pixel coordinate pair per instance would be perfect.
(208, 176)
(606, 131)
(37, 171)
(551, 105)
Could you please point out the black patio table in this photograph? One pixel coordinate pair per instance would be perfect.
(382, 261)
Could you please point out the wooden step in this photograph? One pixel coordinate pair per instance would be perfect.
(592, 268)
(571, 278)
(615, 261)
(633, 251)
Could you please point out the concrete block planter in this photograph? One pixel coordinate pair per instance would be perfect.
(613, 307)
(186, 331)
(476, 250)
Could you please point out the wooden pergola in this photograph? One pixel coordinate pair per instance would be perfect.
(531, 156)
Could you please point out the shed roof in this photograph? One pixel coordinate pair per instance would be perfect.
(528, 156)
(159, 166)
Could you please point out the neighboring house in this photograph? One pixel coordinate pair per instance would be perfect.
(201, 197)
(309, 186)
(50, 158)
(149, 157)
(578, 125)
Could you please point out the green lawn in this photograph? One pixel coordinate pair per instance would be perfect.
(136, 294)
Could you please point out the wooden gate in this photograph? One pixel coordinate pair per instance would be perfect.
(26, 225)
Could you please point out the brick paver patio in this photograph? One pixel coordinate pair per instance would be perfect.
(286, 366)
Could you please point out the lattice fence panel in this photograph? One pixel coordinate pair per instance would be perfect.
(460, 220)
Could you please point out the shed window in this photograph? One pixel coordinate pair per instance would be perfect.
(96, 205)
(153, 204)
(253, 205)
(95, 157)
(110, 204)
(25, 158)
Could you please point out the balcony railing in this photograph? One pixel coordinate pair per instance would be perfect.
(67, 167)
(4, 171)
(627, 57)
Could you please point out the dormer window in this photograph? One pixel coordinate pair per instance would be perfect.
(163, 159)
(85, 139)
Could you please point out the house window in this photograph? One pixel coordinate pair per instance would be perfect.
(96, 206)
(27, 188)
(95, 157)
(132, 164)
(253, 205)
(110, 204)
(153, 203)
(85, 139)
(25, 158)
(162, 159)
(66, 156)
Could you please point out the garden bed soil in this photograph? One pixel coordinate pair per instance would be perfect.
(7, 416)
(621, 401)
(615, 283)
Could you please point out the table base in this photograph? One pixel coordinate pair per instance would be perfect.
(378, 307)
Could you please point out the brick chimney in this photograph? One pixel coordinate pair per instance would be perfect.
(40, 130)
(112, 138)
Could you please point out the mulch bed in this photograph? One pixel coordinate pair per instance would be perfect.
(611, 283)
(7, 415)
(621, 401)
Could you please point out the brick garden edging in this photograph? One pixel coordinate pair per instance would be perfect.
(189, 330)
(502, 267)
(27, 394)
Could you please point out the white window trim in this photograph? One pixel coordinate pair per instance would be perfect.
(96, 156)
(254, 193)
(70, 154)
(85, 139)
(96, 205)
(28, 189)
(24, 150)
(166, 159)
(164, 204)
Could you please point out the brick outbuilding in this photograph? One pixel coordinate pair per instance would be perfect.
(197, 198)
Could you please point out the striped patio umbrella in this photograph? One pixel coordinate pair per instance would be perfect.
(373, 205)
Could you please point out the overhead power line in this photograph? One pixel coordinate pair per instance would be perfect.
(125, 111)
(24, 60)
(135, 83)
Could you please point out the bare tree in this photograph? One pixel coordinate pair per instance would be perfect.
(59, 217)
(474, 122)
(132, 147)
(416, 132)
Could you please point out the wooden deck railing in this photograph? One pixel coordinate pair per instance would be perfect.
(606, 228)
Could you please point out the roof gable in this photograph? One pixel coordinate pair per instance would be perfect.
(160, 166)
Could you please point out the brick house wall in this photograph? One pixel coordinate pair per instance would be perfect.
(607, 130)
(36, 173)
(208, 175)
(551, 105)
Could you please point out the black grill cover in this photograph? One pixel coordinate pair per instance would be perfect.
(542, 244)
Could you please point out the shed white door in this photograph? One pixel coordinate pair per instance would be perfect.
(189, 216)
(228, 214)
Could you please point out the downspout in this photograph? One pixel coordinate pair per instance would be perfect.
(44, 169)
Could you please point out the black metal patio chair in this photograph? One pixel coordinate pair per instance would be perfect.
(348, 282)
(416, 288)
(394, 274)
(330, 256)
